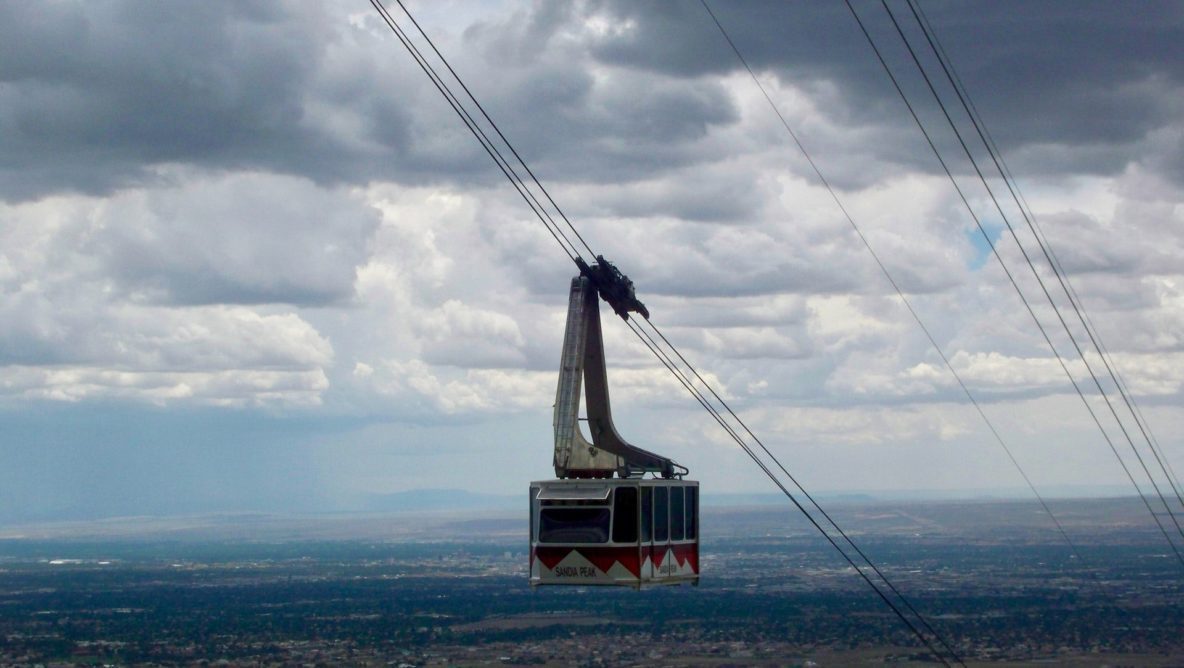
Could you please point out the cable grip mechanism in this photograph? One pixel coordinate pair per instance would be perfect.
(613, 286)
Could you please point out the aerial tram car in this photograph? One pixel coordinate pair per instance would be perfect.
(602, 521)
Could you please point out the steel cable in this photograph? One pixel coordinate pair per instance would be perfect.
(1041, 240)
(544, 217)
(1011, 278)
(1035, 273)
(490, 148)
(900, 292)
(496, 129)
(686, 382)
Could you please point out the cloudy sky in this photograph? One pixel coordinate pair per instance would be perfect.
(250, 260)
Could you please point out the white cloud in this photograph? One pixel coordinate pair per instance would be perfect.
(844, 322)
(765, 342)
(461, 335)
(319, 236)
(233, 238)
(455, 392)
(236, 388)
(868, 426)
(73, 331)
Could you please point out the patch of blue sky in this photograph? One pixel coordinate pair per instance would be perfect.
(982, 249)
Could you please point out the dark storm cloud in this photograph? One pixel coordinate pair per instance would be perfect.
(569, 124)
(95, 92)
(94, 97)
(1088, 81)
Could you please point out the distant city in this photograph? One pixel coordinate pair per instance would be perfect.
(449, 588)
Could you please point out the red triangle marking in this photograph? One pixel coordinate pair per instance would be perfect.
(604, 558)
(687, 554)
(551, 556)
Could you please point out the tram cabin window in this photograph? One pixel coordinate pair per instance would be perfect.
(647, 514)
(676, 514)
(661, 513)
(692, 512)
(574, 524)
(625, 515)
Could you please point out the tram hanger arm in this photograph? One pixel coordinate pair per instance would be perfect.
(584, 332)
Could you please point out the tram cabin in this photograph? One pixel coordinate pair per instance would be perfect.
(631, 531)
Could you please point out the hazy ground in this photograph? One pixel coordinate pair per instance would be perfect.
(449, 587)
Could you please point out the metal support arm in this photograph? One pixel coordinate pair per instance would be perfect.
(583, 359)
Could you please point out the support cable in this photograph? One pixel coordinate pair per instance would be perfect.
(1011, 279)
(1173, 479)
(686, 382)
(568, 248)
(496, 129)
(1035, 273)
(1041, 240)
(895, 286)
(689, 384)
(490, 148)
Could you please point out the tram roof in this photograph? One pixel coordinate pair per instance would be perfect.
(569, 488)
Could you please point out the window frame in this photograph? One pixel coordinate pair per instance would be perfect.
(662, 511)
(678, 513)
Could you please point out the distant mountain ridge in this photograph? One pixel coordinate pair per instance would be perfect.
(459, 499)
(440, 499)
